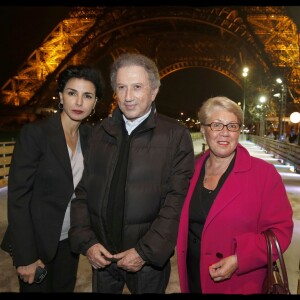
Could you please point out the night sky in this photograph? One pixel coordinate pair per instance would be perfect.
(185, 90)
(23, 29)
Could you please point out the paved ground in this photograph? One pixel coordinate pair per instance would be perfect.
(8, 280)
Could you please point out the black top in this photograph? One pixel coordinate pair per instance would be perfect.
(200, 205)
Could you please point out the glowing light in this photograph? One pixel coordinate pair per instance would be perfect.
(295, 117)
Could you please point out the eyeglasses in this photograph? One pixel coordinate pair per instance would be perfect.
(216, 126)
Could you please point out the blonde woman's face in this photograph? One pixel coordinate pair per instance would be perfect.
(224, 142)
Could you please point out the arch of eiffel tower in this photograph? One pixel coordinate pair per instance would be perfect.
(223, 39)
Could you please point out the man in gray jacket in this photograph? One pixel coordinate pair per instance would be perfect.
(137, 173)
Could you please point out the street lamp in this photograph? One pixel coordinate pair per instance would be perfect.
(262, 100)
(295, 118)
(245, 74)
(282, 106)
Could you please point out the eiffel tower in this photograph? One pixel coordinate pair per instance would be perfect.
(220, 38)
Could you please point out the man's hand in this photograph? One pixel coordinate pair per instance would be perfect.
(97, 255)
(129, 260)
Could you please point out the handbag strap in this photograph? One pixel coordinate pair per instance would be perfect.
(270, 235)
(270, 257)
(281, 260)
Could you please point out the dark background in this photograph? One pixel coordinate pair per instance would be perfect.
(23, 29)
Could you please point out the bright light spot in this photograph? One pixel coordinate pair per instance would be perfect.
(295, 117)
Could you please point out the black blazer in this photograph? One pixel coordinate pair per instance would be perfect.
(40, 186)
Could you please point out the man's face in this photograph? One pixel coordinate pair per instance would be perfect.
(134, 92)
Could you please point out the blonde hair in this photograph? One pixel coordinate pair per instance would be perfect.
(223, 102)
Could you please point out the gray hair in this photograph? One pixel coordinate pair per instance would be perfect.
(135, 59)
(223, 102)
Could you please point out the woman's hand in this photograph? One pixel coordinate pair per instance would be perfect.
(223, 269)
(27, 273)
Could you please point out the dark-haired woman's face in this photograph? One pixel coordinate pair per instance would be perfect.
(78, 98)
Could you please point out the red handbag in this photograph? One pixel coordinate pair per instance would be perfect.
(276, 282)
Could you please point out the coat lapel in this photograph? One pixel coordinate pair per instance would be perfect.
(57, 143)
(232, 186)
(84, 131)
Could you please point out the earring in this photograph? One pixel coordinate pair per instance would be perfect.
(60, 105)
(93, 111)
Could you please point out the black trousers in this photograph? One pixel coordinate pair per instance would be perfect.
(112, 279)
(61, 273)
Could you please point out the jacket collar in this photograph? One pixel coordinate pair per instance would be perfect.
(232, 187)
(115, 123)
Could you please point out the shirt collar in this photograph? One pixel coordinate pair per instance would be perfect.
(131, 125)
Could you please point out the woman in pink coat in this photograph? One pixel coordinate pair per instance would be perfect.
(232, 198)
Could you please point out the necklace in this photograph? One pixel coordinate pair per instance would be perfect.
(212, 175)
(209, 191)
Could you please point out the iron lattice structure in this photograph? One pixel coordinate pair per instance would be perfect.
(223, 39)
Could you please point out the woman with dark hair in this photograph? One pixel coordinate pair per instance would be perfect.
(46, 166)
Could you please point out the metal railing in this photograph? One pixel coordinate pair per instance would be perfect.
(288, 153)
(6, 150)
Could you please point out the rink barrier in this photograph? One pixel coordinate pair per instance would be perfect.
(6, 150)
(286, 153)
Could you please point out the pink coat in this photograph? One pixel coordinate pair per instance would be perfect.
(252, 199)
